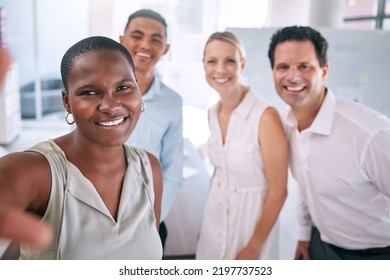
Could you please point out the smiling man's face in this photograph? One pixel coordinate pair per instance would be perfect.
(146, 41)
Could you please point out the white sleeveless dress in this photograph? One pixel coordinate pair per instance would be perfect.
(82, 225)
(238, 187)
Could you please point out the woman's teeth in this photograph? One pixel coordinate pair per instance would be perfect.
(111, 123)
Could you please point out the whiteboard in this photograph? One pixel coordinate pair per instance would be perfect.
(359, 65)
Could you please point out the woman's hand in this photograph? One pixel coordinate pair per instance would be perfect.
(248, 253)
(25, 228)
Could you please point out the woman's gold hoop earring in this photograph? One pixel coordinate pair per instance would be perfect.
(143, 107)
(67, 119)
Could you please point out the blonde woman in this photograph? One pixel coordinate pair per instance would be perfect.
(249, 151)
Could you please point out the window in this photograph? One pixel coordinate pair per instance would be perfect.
(367, 14)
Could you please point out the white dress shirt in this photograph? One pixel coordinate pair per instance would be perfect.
(342, 166)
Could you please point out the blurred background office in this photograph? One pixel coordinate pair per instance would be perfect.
(38, 32)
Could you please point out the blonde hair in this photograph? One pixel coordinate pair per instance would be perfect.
(227, 37)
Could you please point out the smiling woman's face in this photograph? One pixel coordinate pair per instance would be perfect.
(103, 97)
(223, 65)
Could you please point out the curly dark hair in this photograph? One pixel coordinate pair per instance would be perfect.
(299, 33)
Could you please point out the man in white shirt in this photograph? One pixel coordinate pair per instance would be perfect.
(160, 127)
(339, 155)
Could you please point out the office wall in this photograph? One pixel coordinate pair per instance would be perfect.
(359, 65)
(19, 36)
(59, 24)
(282, 12)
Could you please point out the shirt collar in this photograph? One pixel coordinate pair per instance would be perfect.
(154, 90)
(244, 108)
(323, 122)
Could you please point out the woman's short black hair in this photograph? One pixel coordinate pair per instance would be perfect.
(91, 44)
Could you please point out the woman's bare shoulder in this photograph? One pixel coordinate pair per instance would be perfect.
(25, 178)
